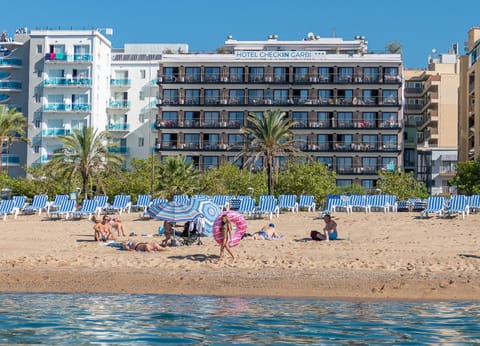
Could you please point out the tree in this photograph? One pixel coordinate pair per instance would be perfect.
(401, 184)
(467, 178)
(313, 178)
(267, 136)
(13, 125)
(394, 47)
(176, 176)
(87, 153)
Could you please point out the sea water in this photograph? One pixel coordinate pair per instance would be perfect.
(116, 319)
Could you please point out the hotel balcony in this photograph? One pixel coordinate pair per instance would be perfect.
(120, 83)
(118, 127)
(61, 57)
(55, 132)
(64, 107)
(10, 86)
(119, 150)
(4, 98)
(119, 105)
(10, 63)
(8, 159)
(67, 82)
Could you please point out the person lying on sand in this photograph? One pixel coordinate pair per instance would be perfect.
(141, 246)
(266, 232)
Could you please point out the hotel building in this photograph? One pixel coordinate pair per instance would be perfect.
(347, 102)
(469, 95)
(431, 112)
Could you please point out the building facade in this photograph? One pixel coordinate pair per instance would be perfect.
(431, 112)
(347, 103)
(469, 96)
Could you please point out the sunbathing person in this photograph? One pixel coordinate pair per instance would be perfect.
(141, 246)
(103, 230)
(266, 232)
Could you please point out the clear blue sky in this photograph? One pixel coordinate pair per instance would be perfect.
(418, 25)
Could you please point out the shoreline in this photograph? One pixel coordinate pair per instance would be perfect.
(395, 256)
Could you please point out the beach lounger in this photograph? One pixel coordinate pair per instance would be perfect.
(20, 202)
(288, 202)
(58, 201)
(102, 201)
(121, 203)
(39, 203)
(267, 204)
(65, 209)
(143, 202)
(7, 207)
(473, 202)
(307, 201)
(181, 199)
(435, 205)
(457, 205)
(89, 207)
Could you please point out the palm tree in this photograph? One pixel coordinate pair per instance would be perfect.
(268, 135)
(176, 176)
(87, 153)
(13, 125)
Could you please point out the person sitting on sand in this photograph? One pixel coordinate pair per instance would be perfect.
(117, 225)
(329, 231)
(266, 232)
(141, 246)
(168, 231)
(103, 230)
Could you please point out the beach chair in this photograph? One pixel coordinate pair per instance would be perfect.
(360, 203)
(343, 204)
(58, 201)
(7, 207)
(332, 202)
(20, 202)
(402, 206)
(378, 202)
(457, 205)
(435, 205)
(143, 201)
(157, 201)
(288, 202)
(181, 199)
(221, 201)
(247, 206)
(102, 202)
(65, 209)
(267, 204)
(39, 203)
(121, 203)
(473, 203)
(392, 204)
(89, 207)
(307, 201)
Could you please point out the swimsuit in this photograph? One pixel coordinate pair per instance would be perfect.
(333, 235)
(263, 234)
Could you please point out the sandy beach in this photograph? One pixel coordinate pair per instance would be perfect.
(378, 256)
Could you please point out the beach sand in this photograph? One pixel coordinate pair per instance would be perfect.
(378, 256)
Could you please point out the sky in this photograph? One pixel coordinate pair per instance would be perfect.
(419, 26)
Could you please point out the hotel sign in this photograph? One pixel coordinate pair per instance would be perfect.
(280, 54)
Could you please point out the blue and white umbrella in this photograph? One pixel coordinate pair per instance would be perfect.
(208, 209)
(174, 212)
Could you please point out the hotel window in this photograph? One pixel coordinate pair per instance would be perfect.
(390, 96)
(389, 119)
(169, 140)
(344, 165)
(194, 160)
(344, 142)
(170, 118)
(345, 96)
(390, 74)
(255, 96)
(212, 96)
(58, 50)
(280, 96)
(170, 74)
(81, 52)
(234, 139)
(324, 74)
(300, 142)
(371, 74)
(256, 75)
(369, 119)
(238, 161)
(323, 119)
(300, 96)
(192, 74)
(370, 142)
(141, 141)
(192, 119)
(210, 141)
(389, 142)
(211, 119)
(37, 123)
(212, 74)
(36, 149)
(235, 119)
(210, 162)
(141, 117)
(325, 96)
(369, 165)
(327, 161)
(170, 96)
(323, 142)
(192, 96)
(368, 184)
(300, 119)
(55, 99)
(280, 74)
(192, 141)
(345, 74)
(369, 97)
(236, 96)
(236, 74)
(389, 163)
(78, 124)
(39, 49)
(300, 74)
(344, 183)
(143, 74)
(345, 119)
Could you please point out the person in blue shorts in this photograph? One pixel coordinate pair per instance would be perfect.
(329, 231)
(266, 232)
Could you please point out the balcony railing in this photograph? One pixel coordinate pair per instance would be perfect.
(120, 82)
(64, 107)
(118, 127)
(119, 150)
(8, 159)
(68, 57)
(55, 132)
(67, 82)
(10, 62)
(10, 85)
(119, 104)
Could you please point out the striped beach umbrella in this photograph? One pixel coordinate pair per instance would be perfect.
(208, 209)
(174, 212)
